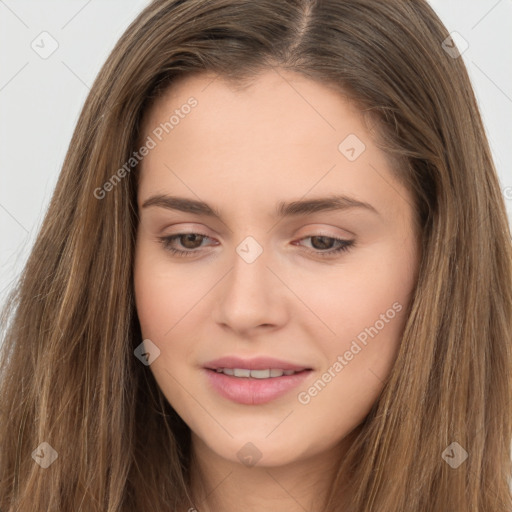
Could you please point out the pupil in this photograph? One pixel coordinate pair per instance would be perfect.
(190, 239)
(324, 245)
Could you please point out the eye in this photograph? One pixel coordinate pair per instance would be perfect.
(190, 241)
(193, 241)
(325, 242)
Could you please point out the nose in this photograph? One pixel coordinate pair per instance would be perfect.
(251, 297)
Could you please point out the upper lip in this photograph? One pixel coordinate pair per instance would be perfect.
(256, 363)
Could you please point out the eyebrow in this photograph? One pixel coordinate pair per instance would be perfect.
(283, 209)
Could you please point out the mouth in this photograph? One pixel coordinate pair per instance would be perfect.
(256, 381)
(255, 367)
(269, 373)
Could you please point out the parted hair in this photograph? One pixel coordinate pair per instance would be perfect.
(68, 374)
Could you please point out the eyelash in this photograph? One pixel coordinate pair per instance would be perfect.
(167, 240)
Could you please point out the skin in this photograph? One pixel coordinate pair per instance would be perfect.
(242, 152)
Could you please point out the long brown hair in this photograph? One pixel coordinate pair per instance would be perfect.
(69, 376)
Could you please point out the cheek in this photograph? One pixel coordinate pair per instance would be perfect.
(350, 298)
(162, 304)
(357, 364)
(164, 293)
(154, 301)
(368, 316)
(365, 303)
(169, 302)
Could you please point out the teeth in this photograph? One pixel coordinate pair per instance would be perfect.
(238, 372)
(259, 374)
(255, 374)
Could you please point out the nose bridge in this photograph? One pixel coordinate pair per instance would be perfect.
(250, 276)
(249, 293)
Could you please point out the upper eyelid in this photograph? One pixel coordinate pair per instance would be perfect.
(344, 245)
(316, 228)
(176, 236)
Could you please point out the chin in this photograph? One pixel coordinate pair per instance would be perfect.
(256, 450)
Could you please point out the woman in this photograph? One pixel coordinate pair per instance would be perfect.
(275, 275)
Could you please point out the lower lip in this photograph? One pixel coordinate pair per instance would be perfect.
(251, 391)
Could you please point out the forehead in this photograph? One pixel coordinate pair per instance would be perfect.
(280, 135)
(277, 98)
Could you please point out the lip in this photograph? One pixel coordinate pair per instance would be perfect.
(256, 363)
(251, 391)
(248, 390)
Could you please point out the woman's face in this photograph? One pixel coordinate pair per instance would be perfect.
(300, 254)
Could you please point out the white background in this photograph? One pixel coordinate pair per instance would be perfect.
(40, 99)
